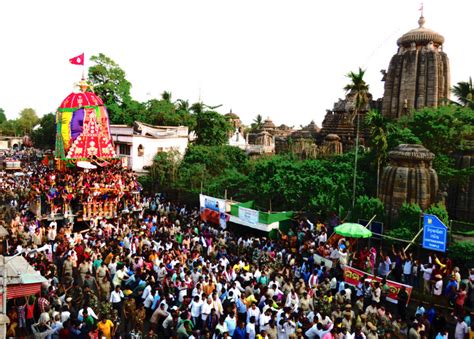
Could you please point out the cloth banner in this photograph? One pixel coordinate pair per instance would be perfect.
(353, 275)
(214, 217)
(248, 215)
(211, 203)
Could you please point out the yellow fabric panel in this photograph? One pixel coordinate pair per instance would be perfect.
(66, 128)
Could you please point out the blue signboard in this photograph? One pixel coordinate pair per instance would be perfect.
(434, 233)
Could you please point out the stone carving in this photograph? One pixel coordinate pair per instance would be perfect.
(408, 178)
(461, 194)
(419, 72)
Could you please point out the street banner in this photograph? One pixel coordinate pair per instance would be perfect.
(319, 259)
(248, 215)
(213, 210)
(353, 275)
(211, 203)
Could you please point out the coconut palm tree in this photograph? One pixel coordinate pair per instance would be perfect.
(465, 93)
(359, 90)
(182, 105)
(199, 107)
(166, 96)
(257, 122)
(377, 125)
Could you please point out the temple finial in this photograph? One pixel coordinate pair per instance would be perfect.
(421, 20)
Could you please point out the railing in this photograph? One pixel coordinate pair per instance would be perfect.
(105, 209)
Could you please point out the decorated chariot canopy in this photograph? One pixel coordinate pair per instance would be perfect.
(83, 130)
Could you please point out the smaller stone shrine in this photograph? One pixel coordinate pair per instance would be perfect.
(408, 178)
(332, 144)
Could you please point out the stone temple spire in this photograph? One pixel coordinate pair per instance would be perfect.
(418, 75)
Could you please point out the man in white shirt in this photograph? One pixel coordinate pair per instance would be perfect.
(250, 328)
(195, 308)
(461, 329)
(206, 309)
(146, 291)
(427, 270)
(317, 331)
(119, 277)
(264, 320)
(438, 285)
(116, 299)
(253, 311)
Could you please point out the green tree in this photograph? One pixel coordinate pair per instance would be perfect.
(462, 252)
(398, 134)
(3, 117)
(11, 128)
(440, 211)
(182, 105)
(409, 217)
(27, 120)
(200, 107)
(217, 168)
(257, 123)
(464, 92)
(366, 207)
(166, 96)
(377, 125)
(163, 171)
(45, 136)
(441, 129)
(132, 111)
(212, 128)
(359, 90)
(317, 185)
(110, 83)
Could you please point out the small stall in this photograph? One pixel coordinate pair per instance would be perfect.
(22, 279)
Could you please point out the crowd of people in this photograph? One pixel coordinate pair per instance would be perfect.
(161, 272)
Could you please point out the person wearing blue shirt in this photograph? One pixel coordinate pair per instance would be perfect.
(156, 301)
(239, 332)
(241, 310)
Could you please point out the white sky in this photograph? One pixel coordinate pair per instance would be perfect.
(279, 58)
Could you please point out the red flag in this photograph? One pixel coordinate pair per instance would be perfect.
(77, 60)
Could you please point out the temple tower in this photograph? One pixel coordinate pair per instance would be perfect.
(418, 75)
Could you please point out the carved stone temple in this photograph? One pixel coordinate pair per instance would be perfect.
(461, 194)
(408, 178)
(418, 75)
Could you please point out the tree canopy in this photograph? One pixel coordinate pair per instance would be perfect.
(110, 83)
(212, 128)
(45, 136)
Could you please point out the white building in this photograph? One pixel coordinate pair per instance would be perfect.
(137, 145)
